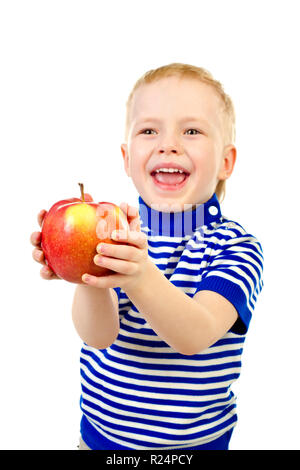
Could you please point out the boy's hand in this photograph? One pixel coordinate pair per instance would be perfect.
(38, 254)
(128, 260)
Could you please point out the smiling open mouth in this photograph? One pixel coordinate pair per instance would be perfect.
(169, 180)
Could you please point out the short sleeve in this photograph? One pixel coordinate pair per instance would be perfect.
(235, 272)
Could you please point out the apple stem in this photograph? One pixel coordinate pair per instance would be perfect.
(81, 189)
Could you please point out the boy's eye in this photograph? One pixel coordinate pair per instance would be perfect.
(193, 131)
(147, 131)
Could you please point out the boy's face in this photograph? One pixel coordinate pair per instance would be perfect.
(176, 121)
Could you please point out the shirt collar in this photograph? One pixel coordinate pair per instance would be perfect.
(179, 223)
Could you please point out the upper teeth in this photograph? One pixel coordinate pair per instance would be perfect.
(169, 170)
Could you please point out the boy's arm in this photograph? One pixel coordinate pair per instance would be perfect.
(189, 325)
(95, 314)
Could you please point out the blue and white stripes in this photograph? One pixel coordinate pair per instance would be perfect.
(140, 393)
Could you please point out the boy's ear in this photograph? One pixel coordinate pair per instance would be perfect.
(228, 162)
(124, 150)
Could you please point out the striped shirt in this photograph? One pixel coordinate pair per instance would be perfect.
(140, 393)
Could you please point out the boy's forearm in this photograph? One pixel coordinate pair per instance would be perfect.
(95, 316)
(177, 319)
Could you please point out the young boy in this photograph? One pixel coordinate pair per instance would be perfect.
(163, 337)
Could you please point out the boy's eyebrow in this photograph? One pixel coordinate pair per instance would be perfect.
(196, 119)
(185, 119)
(146, 119)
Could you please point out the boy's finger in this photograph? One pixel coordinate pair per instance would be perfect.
(35, 238)
(41, 216)
(136, 238)
(132, 214)
(38, 255)
(130, 211)
(135, 225)
(103, 282)
(47, 273)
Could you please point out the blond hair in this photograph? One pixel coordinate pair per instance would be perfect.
(203, 75)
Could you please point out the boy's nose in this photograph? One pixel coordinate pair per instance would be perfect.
(168, 150)
(169, 147)
(169, 143)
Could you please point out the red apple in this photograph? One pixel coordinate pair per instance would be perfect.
(69, 237)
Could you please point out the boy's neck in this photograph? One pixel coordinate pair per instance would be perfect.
(179, 224)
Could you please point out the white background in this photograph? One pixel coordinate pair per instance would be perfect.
(67, 68)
